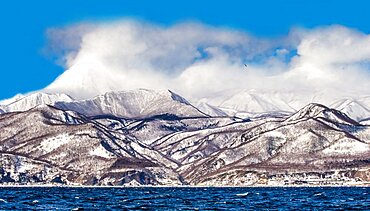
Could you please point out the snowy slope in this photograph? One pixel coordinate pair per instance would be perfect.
(11, 100)
(210, 109)
(365, 122)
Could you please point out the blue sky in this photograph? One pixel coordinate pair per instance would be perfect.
(24, 67)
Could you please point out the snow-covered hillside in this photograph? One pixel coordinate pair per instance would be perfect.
(210, 109)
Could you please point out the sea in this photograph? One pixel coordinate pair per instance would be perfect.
(185, 198)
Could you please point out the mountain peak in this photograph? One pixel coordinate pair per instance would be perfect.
(356, 109)
(310, 110)
(316, 110)
(252, 101)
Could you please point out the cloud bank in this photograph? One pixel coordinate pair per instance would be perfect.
(204, 62)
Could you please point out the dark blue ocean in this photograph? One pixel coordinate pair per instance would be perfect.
(66, 198)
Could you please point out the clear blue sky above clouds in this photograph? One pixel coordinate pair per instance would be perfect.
(23, 24)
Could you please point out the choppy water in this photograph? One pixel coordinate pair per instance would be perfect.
(65, 198)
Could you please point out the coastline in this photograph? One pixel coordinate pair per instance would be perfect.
(366, 185)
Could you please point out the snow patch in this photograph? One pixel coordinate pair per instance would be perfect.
(347, 146)
(100, 151)
(275, 134)
(24, 167)
(55, 142)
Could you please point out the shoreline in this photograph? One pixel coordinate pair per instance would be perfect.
(183, 186)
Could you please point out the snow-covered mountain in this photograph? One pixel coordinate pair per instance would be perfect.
(240, 153)
(358, 109)
(251, 103)
(52, 145)
(140, 103)
(133, 104)
(318, 111)
(316, 144)
(254, 102)
(147, 137)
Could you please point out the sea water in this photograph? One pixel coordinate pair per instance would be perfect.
(187, 198)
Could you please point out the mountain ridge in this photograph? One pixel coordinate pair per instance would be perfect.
(357, 109)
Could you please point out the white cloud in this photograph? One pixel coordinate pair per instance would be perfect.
(200, 61)
(335, 44)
